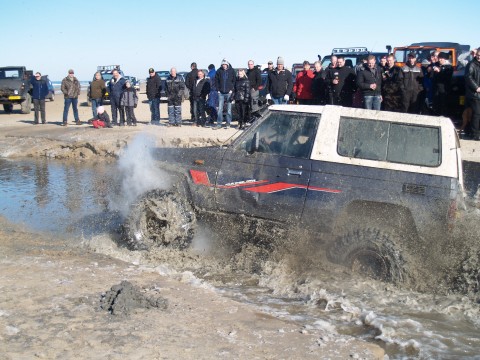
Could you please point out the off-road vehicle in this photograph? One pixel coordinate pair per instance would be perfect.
(374, 188)
(14, 88)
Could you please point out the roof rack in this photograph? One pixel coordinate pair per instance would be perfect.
(108, 67)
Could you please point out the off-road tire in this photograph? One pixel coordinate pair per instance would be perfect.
(26, 105)
(8, 108)
(160, 218)
(371, 252)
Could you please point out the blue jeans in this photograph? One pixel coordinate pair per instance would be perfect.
(96, 103)
(154, 109)
(278, 100)
(372, 102)
(223, 98)
(66, 107)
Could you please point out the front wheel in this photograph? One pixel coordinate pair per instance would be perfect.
(160, 218)
(8, 108)
(371, 252)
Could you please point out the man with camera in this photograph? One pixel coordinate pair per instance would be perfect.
(341, 83)
(411, 85)
(391, 83)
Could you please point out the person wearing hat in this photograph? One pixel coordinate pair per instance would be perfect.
(411, 85)
(303, 85)
(269, 67)
(39, 92)
(154, 86)
(279, 84)
(71, 89)
(103, 117)
(224, 82)
(441, 82)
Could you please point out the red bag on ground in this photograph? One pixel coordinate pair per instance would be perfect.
(98, 124)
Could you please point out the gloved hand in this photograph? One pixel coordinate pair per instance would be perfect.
(286, 98)
(268, 97)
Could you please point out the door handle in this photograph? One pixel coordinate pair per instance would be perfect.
(294, 172)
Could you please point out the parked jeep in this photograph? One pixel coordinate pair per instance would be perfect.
(374, 188)
(14, 87)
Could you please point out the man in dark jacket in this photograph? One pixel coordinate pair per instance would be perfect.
(369, 80)
(39, 92)
(255, 78)
(224, 81)
(318, 84)
(472, 92)
(391, 85)
(174, 90)
(190, 80)
(411, 85)
(442, 80)
(154, 86)
(200, 91)
(280, 83)
(115, 89)
(341, 83)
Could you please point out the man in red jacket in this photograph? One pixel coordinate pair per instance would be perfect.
(303, 85)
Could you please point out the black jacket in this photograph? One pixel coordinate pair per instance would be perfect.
(225, 80)
(472, 79)
(346, 80)
(191, 78)
(318, 87)
(174, 88)
(412, 79)
(241, 92)
(201, 88)
(255, 77)
(280, 83)
(367, 77)
(442, 80)
(154, 86)
(392, 79)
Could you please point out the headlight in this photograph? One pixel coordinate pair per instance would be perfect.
(15, 92)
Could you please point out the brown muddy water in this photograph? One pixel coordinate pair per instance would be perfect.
(87, 203)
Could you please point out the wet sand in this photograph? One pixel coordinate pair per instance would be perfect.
(50, 309)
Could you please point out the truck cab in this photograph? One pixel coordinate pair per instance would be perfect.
(14, 88)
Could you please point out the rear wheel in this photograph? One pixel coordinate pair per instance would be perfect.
(160, 218)
(8, 108)
(26, 105)
(371, 252)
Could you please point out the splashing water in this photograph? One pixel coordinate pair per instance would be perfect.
(139, 172)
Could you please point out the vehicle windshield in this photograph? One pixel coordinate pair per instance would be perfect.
(282, 133)
(11, 73)
(107, 77)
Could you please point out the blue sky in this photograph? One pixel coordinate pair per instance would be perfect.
(53, 36)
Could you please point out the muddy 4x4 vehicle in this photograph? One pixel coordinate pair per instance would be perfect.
(14, 87)
(374, 188)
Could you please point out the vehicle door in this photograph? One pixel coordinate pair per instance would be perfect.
(265, 173)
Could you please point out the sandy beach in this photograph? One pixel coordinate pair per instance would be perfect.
(51, 292)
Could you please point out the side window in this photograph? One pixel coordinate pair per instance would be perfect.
(392, 142)
(282, 133)
(363, 139)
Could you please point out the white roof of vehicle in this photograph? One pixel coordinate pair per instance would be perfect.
(325, 145)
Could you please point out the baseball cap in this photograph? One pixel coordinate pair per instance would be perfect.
(71, 71)
(412, 54)
(151, 70)
(270, 62)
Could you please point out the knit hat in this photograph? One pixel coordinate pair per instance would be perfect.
(280, 61)
(225, 62)
(100, 110)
